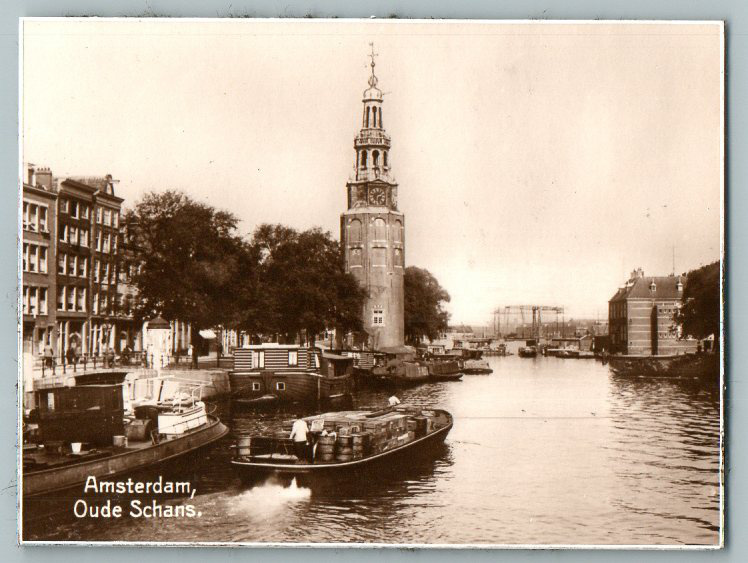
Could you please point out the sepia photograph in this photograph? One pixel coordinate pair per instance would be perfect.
(420, 283)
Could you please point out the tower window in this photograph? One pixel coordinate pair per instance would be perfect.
(363, 159)
(368, 113)
(378, 317)
(380, 229)
(374, 115)
(355, 231)
(384, 154)
(397, 229)
(381, 123)
(375, 155)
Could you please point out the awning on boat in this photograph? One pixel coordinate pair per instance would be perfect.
(207, 334)
(331, 356)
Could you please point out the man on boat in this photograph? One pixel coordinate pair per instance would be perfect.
(394, 401)
(299, 433)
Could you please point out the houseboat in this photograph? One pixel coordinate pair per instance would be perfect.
(268, 373)
(85, 431)
(343, 442)
(471, 360)
(399, 367)
(443, 370)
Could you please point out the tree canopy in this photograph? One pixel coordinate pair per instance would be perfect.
(303, 283)
(424, 300)
(191, 264)
(700, 311)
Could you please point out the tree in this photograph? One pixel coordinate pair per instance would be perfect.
(303, 283)
(424, 299)
(700, 311)
(191, 264)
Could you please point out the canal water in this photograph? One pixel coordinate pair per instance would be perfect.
(543, 451)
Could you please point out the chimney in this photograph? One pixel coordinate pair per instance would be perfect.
(44, 178)
(31, 169)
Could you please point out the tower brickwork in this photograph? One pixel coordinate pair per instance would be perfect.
(373, 229)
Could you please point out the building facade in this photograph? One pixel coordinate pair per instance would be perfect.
(38, 258)
(641, 316)
(372, 229)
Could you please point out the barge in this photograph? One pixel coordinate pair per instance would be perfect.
(343, 442)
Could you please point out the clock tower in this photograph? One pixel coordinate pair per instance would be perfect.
(372, 229)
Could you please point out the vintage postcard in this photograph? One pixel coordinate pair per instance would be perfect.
(374, 283)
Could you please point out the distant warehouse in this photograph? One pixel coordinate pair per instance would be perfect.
(641, 316)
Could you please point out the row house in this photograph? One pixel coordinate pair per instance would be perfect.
(641, 316)
(38, 291)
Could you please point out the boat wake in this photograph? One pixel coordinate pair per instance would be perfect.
(269, 497)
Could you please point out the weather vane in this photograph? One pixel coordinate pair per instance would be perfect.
(373, 78)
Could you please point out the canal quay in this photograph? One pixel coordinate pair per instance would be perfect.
(543, 451)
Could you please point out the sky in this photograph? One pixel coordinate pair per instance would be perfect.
(537, 163)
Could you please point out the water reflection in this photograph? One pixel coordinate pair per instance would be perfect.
(542, 451)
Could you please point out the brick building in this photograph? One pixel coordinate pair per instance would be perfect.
(641, 316)
(38, 292)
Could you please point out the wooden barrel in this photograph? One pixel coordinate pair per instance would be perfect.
(326, 448)
(330, 440)
(345, 441)
(343, 458)
(326, 456)
(244, 446)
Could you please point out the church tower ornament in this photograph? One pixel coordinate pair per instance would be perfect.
(372, 228)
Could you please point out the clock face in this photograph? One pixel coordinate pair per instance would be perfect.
(377, 196)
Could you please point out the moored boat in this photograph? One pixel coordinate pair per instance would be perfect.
(528, 352)
(444, 370)
(343, 442)
(290, 373)
(472, 361)
(85, 432)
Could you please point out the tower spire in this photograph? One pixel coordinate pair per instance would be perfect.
(373, 78)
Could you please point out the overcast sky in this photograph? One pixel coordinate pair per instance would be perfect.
(537, 163)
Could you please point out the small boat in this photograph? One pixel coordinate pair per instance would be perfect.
(343, 442)
(528, 352)
(291, 373)
(472, 361)
(444, 370)
(84, 432)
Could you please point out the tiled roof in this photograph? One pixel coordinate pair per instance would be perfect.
(666, 287)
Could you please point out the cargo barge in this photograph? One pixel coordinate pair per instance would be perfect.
(343, 442)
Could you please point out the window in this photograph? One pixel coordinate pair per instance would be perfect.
(98, 241)
(398, 258)
(115, 219)
(95, 303)
(258, 359)
(60, 297)
(61, 263)
(107, 217)
(63, 233)
(84, 211)
(42, 300)
(280, 386)
(293, 358)
(106, 273)
(42, 259)
(97, 270)
(73, 235)
(255, 386)
(397, 231)
(70, 302)
(72, 265)
(63, 205)
(73, 209)
(81, 299)
(43, 219)
(375, 156)
(84, 237)
(82, 266)
(107, 243)
(103, 303)
(378, 317)
(98, 214)
(355, 230)
(25, 257)
(363, 159)
(380, 229)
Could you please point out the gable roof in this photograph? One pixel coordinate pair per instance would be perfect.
(666, 287)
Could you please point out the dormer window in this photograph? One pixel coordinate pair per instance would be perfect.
(679, 286)
(653, 286)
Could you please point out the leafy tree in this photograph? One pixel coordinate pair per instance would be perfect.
(303, 283)
(424, 299)
(191, 264)
(699, 314)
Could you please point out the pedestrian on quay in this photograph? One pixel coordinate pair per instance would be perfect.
(72, 354)
(49, 356)
(299, 435)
